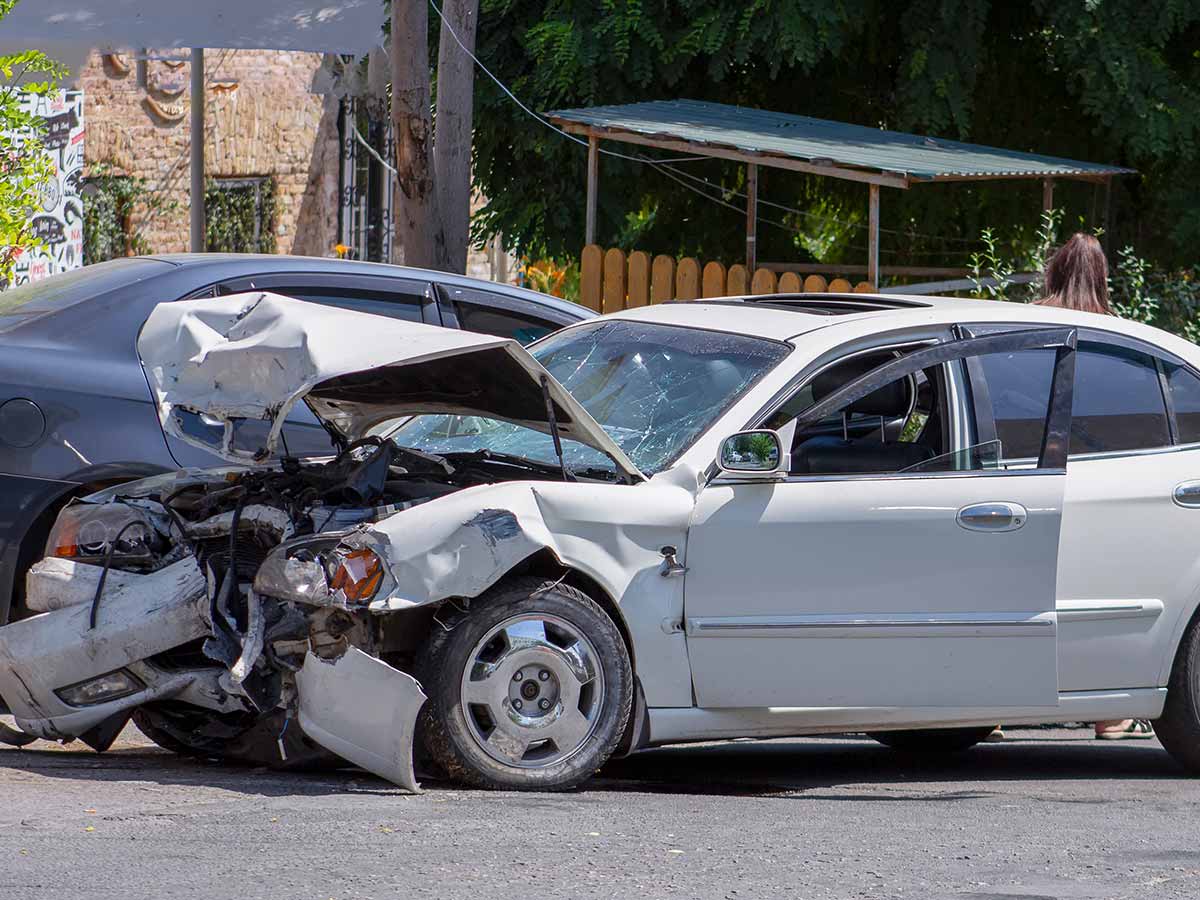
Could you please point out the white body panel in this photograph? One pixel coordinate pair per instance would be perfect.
(1128, 569)
(839, 597)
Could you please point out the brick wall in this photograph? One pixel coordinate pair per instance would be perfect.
(262, 120)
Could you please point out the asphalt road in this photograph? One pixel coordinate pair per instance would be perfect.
(1047, 814)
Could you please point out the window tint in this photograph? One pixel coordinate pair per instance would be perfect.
(1019, 385)
(502, 322)
(1185, 397)
(381, 303)
(1118, 403)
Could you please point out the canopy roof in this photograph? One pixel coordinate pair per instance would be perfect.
(69, 29)
(819, 146)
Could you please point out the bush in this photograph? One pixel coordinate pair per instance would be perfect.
(111, 203)
(1137, 289)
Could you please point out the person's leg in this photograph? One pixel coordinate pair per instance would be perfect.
(1124, 729)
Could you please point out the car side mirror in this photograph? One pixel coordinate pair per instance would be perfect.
(757, 454)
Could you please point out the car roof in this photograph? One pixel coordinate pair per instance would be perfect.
(792, 317)
(234, 264)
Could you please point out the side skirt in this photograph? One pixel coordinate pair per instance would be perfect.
(668, 726)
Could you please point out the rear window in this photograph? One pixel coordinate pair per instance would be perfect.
(37, 298)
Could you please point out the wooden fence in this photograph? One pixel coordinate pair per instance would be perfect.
(611, 280)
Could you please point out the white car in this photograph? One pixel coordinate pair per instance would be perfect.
(763, 516)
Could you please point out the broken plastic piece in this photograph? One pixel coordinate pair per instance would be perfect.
(363, 710)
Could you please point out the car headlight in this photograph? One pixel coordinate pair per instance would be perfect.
(322, 571)
(101, 689)
(85, 532)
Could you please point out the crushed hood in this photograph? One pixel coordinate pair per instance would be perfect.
(226, 371)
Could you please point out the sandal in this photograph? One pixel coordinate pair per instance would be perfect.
(1130, 729)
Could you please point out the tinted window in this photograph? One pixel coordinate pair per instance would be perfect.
(381, 303)
(1185, 397)
(1118, 403)
(502, 322)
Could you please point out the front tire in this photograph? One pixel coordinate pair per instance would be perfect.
(931, 740)
(531, 690)
(1179, 727)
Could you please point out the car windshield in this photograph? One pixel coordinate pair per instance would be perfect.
(653, 388)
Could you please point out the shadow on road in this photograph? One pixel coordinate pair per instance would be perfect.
(786, 766)
(737, 768)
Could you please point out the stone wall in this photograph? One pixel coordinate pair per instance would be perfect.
(262, 121)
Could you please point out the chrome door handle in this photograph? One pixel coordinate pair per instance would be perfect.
(991, 517)
(1188, 494)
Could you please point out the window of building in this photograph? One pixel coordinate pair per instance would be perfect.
(240, 215)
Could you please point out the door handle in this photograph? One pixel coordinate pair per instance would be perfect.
(1188, 494)
(996, 516)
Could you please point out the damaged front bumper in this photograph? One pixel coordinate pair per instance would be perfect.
(64, 679)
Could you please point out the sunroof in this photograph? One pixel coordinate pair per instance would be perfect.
(824, 304)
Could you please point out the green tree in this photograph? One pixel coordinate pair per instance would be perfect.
(1104, 81)
(24, 169)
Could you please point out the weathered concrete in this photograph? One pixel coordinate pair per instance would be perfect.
(1051, 814)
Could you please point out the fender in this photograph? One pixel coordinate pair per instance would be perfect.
(460, 545)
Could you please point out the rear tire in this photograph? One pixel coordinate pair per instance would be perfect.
(1179, 727)
(931, 740)
(530, 690)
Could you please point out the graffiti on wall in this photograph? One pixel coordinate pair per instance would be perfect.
(58, 222)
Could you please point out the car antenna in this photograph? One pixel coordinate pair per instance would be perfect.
(550, 417)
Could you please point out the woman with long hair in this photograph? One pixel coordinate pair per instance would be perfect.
(1077, 276)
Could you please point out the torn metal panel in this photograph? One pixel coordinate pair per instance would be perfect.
(363, 710)
(146, 615)
(56, 583)
(218, 367)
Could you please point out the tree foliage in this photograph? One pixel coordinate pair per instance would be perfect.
(24, 169)
(1089, 79)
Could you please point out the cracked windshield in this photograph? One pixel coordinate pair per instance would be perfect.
(653, 388)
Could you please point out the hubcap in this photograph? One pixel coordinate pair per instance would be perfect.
(532, 691)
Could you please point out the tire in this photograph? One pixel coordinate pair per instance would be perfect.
(931, 740)
(1179, 727)
(530, 690)
(252, 741)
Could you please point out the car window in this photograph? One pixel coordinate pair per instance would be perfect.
(1185, 398)
(395, 304)
(1117, 400)
(502, 322)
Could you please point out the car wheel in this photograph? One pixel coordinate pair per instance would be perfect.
(931, 740)
(253, 741)
(1179, 727)
(531, 690)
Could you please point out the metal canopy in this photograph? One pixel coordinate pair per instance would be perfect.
(69, 30)
(836, 149)
(814, 146)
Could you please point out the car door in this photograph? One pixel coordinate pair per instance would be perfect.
(911, 588)
(1126, 575)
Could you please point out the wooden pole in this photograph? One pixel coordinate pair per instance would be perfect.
(873, 237)
(1107, 212)
(593, 177)
(751, 217)
(1047, 194)
(198, 237)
